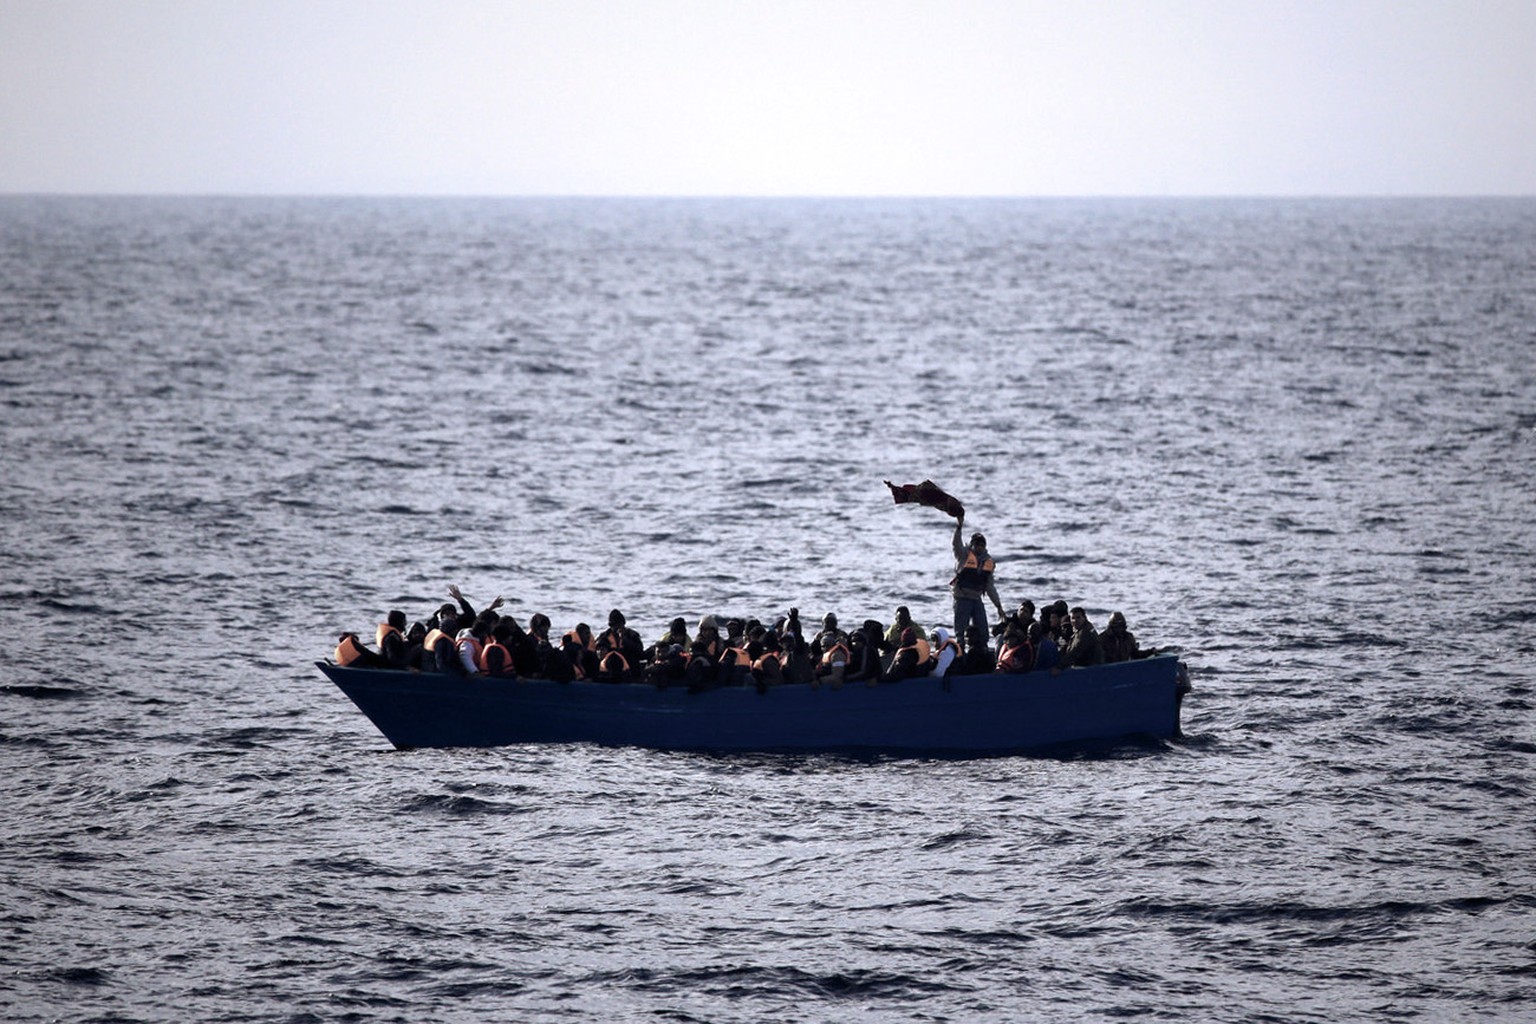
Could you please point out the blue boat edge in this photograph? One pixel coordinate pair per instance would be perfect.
(959, 715)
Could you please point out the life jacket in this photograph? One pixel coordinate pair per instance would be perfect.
(383, 631)
(623, 662)
(1015, 657)
(590, 645)
(920, 648)
(781, 657)
(829, 656)
(974, 573)
(429, 643)
(475, 648)
(483, 661)
(613, 637)
(742, 657)
(347, 651)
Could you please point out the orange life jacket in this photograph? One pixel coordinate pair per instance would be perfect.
(347, 651)
(974, 573)
(921, 647)
(828, 659)
(476, 650)
(1014, 657)
(590, 645)
(782, 657)
(429, 643)
(623, 662)
(383, 631)
(483, 661)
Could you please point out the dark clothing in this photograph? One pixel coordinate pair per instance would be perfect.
(1119, 645)
(1083, 649)
(977, 660)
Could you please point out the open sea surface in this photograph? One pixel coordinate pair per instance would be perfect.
(1295, 439)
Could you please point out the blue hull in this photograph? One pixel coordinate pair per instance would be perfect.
(966, 714)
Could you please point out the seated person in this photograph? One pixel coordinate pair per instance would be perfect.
(913, 658)
(619, 651)
(1014, 653)
(978, 658)
(389, 637)
(667, 666)
(350, 653)
(864, 653)
(830, 653)
(1044, 643)
(1084, 649)
(1118, 642)
(945, 651)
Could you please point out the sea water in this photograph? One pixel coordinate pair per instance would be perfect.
(1294, 439)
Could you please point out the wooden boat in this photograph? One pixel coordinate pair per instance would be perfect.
(961, 714)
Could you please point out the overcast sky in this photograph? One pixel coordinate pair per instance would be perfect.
(838, 97)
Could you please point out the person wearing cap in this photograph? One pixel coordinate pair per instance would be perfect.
(973, 578)
(619, 639)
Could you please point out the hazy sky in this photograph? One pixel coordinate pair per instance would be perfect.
(904, 97)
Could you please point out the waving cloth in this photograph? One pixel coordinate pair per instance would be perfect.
(926, 493)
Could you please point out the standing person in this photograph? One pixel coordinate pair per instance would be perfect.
(973, 577)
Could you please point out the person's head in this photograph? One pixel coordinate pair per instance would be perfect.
(1026, 610)
(829, 621)
(908, 637)
(584, 632)
(448, 622)
(679, 625)
(1117, 623)
(616, 619)
(978, 542)
(416, 633)
(1079, 618)
(903, 615)
(538, 625)
(735, 627)
(396, 618)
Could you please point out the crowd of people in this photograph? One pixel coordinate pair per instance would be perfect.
(458, 640)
